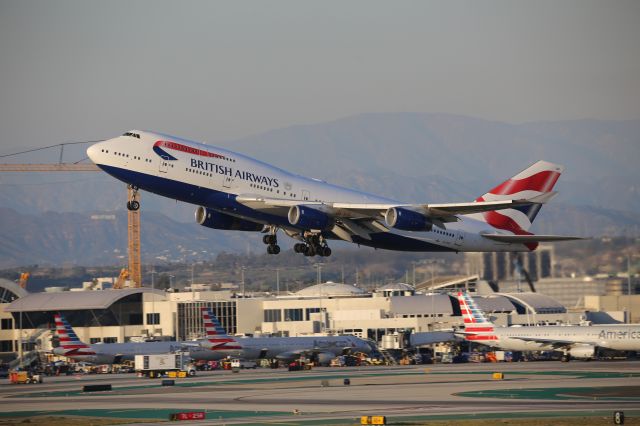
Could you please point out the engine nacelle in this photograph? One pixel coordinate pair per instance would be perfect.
(324, 358)
(309, 218)
(583, 351)
(216, 220)
(407, 220)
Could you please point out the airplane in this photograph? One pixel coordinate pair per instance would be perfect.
(319, 348)
(574, 341)
(109, 353)
(236, 192)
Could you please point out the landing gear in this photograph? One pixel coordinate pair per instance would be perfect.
(314, 244)
(271, 240)
(565, 357)
(133, 204)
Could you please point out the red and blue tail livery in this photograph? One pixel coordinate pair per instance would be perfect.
(477, 326)
(239, 193)
(71, 345)
(217, 336)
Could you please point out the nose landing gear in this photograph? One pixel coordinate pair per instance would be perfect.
(133, 204)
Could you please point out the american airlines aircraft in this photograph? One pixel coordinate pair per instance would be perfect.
(319, 348)
(236, 192)
(111, 353)
(575, 341)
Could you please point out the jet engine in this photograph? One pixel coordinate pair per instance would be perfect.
(583, 351)
(324, 358)
(216, 220)
(309, 218)
(407, 220)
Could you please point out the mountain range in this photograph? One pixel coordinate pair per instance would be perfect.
(414, 157)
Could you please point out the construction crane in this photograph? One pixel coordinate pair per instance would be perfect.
(24, 279)
(122, 279)
(133, 216)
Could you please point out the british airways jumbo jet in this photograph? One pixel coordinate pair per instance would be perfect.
(236, 192)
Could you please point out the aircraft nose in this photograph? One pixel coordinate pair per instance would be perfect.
(92, 152)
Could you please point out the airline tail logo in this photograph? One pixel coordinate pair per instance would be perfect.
(476, 325)
(69, 340)
(216, 334)
(536, 180)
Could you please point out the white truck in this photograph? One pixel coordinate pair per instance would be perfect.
(241, 363)
(158, 365)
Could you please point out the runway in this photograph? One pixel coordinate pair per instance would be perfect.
(320, 395)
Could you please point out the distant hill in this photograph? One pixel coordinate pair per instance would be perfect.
(407, 156)
(56, 239)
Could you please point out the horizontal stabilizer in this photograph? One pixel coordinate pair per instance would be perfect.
(523, 239)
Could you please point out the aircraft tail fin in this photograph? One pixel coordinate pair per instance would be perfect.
(537, 180)
(476, 324)
(217, 336)
(69, 340)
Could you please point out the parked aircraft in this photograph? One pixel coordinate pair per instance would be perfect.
(319, 348)
(236, 192)
(574, 341)
(108, 353)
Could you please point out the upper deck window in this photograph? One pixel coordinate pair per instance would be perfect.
(133, 135)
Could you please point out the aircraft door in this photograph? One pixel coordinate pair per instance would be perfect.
(164, 166)
(305, 195)
(459, 238)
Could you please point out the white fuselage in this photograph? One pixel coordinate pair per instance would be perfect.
(110, 353)
(288, 348)
(616, 337)
(216, 180)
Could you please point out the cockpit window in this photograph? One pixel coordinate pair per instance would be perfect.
(133, 135)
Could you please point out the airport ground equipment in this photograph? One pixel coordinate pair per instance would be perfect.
(133, 212)
(163, 364)
(24, 377)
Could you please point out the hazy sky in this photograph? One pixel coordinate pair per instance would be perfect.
(216, 70)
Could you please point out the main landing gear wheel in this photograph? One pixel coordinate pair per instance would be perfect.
(273, 249)
(133, 205)
(271, 240)
(312, 246)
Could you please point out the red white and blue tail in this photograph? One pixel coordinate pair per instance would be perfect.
(535, 181)
(217, 336)
(69, 341)
(477, 327)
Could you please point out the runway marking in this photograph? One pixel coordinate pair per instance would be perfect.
(341, 376)
(563, 393)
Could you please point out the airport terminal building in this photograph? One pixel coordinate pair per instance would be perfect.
(138, 314)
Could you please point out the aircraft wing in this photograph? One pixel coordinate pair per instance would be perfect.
(363, 218)
(556, 343)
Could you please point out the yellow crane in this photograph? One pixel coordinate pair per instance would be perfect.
(133, 218)
(24, 279)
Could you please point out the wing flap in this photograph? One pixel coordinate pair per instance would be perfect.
(556, 343)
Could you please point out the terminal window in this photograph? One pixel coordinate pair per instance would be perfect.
(110, 340)
(7, 324)
(153, 318)
(293, 314)
(272, 315)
